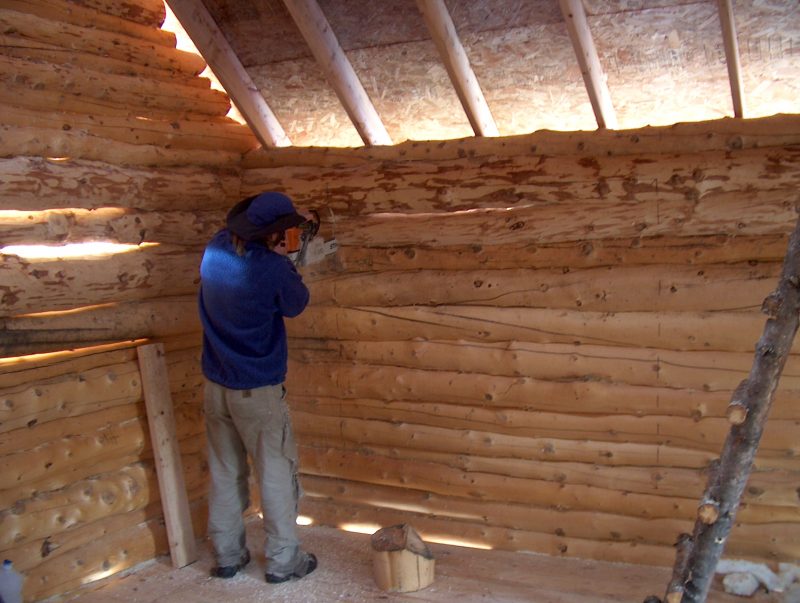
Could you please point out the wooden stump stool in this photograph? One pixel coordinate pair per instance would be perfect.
(401, 561)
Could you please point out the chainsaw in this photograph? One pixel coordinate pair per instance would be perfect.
(304, 247)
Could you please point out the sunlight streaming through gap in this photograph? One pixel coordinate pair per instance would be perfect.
(360, 528)
(70, 250)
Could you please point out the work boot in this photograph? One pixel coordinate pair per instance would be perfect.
(308, 565)
(229, 571)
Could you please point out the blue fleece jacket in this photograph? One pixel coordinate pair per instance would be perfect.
(243, 300)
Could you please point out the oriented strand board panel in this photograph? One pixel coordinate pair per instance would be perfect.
(664, 62)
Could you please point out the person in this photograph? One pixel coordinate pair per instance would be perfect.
(247, 287)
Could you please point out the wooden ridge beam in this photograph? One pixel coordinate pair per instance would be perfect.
(444, 34)
(732, 56)
(319, 36)
(215, 49)
(581, 36)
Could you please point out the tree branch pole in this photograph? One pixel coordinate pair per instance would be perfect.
(697, 557)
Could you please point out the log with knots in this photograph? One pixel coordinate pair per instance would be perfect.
(698, 554)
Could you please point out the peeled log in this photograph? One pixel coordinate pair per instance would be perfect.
(221, 134)
(32, 286)
(723, 331)
(95, 41)
(574, 220)
(79, 90)
(147, 12)
(111, 322)
(115, 225)
(700, 370)
(722, 134)
(100, 18)
(36, 183)
(608, 289)
(573, 254)
(428, 186)
(63, 144)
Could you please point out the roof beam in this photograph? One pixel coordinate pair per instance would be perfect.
(326, 49)
(214, 48)
(582, 42)
(732, 56)
(445, 36)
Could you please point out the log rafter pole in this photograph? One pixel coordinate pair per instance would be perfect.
(582, 42)
(698, 555)
(444, 34)
(322, 42)
(732, 56)
(217, 52)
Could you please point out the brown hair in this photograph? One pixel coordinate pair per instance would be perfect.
(270, 242)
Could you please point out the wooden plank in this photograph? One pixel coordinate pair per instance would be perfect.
(167, 454)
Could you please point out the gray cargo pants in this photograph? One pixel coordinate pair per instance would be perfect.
(257, 422)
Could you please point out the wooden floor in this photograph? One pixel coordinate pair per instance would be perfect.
(463, 575)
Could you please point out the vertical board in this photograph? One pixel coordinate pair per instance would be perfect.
(161, 420)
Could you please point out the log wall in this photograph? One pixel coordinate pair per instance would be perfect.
(107, 133)
(530, 343)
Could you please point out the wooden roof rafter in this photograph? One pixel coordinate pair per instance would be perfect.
(444, 34)
(217, 52)
(732, 56)
(593, 77)
(325, 47)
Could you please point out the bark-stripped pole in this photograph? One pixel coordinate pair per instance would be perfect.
(750, 406)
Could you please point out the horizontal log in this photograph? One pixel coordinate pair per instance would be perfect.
(609, 289)
(49, 285)
(773, 487)
(343, 432)
(725, 134)
(59, 463)
(52, 53)
(572, 254)
(222, 134)
(64, 144)
(85, 398)
(36, 183)
(116, 225)
(52, 408)
(355, 381)
(723, 331)
(442, 480)
(706, 434)
(146, 12)
(75, 14)
(96, 41)
(699, 370)
(23, 370)
(524, 180)
(79, 90)
(111, 553)
(49, 515)
(93, 325)
(768, 214)
(486, 488)
(747, 539)
(472, 534)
